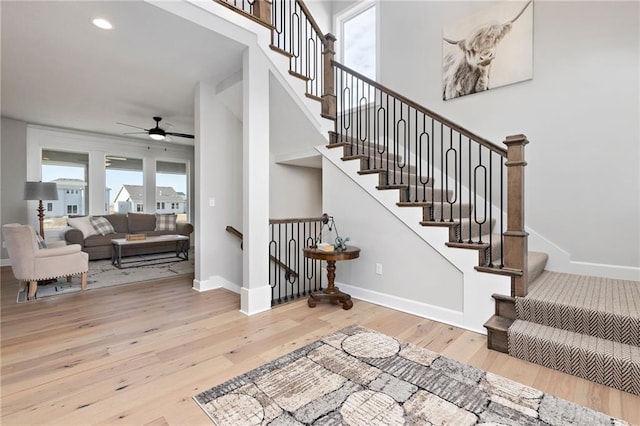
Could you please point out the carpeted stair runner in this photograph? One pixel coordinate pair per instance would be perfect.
(585, 326)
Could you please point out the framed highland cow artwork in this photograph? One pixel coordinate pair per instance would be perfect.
(488, 49)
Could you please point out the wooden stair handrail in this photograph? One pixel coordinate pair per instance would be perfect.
(324, 219)
(287, 269)
(482, 141)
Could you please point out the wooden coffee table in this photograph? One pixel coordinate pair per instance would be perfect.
(331, 293)
(181, 253)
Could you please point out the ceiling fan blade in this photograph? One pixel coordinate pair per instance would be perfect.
(135, 133)
(180, 135)
(130, 125)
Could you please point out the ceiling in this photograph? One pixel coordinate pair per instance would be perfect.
(59, 70)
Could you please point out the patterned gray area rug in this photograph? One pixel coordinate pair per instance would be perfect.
(103, 274)
(360, 377)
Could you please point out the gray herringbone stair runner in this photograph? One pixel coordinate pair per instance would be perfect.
(600, 307)
(585, 326)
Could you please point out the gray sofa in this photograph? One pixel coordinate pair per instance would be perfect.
(99, 246)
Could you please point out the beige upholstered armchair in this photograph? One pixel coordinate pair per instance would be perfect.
(31, 264)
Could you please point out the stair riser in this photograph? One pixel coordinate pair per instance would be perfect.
(446, 211)
(428, 194)
(506, 308)
(385, 165)
(497, 341)
(476, 231)
(398, 177)
(593, 323)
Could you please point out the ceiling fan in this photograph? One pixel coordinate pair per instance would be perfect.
(157, 133)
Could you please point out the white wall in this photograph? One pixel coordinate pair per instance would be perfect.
(294, 191)
(411, 269)
(218, 159)
(13, 155)
(321, 11)
(580, 113)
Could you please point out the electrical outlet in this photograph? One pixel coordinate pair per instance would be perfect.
(379, 268)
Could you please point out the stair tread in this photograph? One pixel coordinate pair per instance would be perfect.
(601, 307)
(596, 293)
(498, 323)
(603, 361)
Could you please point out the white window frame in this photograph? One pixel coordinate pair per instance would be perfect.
(97, 146)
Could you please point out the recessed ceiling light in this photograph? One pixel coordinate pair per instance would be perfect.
(102, 23)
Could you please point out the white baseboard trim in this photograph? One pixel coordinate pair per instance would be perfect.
(5, 262)
(424, 310)
(255, 300)
(215, 282)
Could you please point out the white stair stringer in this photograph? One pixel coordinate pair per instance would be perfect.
(478, 305)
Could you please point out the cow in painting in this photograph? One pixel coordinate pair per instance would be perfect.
(466, 70)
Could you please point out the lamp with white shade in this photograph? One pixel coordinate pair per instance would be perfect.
(40, 191)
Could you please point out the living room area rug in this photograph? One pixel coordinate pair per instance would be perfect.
(103, 274)
(360, 377)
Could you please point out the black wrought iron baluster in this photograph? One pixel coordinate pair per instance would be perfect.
(442, 183)
(490, 250)
(502, 166)
(433, 164)
(273, 247)
(482, 169)
(380, 136)
(423, 160)
(469, 189)
(417, 156)
(278, 264)
(460, 215)
(296, 39)
(399, 161)
(451, 198)
(387, 143)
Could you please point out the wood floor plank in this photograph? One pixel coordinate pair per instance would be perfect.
(137, 354)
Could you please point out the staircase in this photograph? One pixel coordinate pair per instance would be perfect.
(475, 190)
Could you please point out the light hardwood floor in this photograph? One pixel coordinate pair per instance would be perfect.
(136, 354)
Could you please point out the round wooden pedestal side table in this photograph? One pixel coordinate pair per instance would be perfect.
(331, 293)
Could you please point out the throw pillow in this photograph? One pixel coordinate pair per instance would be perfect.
(102, 225)
(166, 222)
(41, 242)
(83, 223)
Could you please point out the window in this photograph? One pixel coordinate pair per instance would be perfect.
(124, 190)
(70, 171)
(357, 37)
(171, 188)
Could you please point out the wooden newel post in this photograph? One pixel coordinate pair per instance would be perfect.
(328, 91)
(515, 238)
(262, 10)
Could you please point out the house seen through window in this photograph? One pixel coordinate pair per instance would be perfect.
(70, 171)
